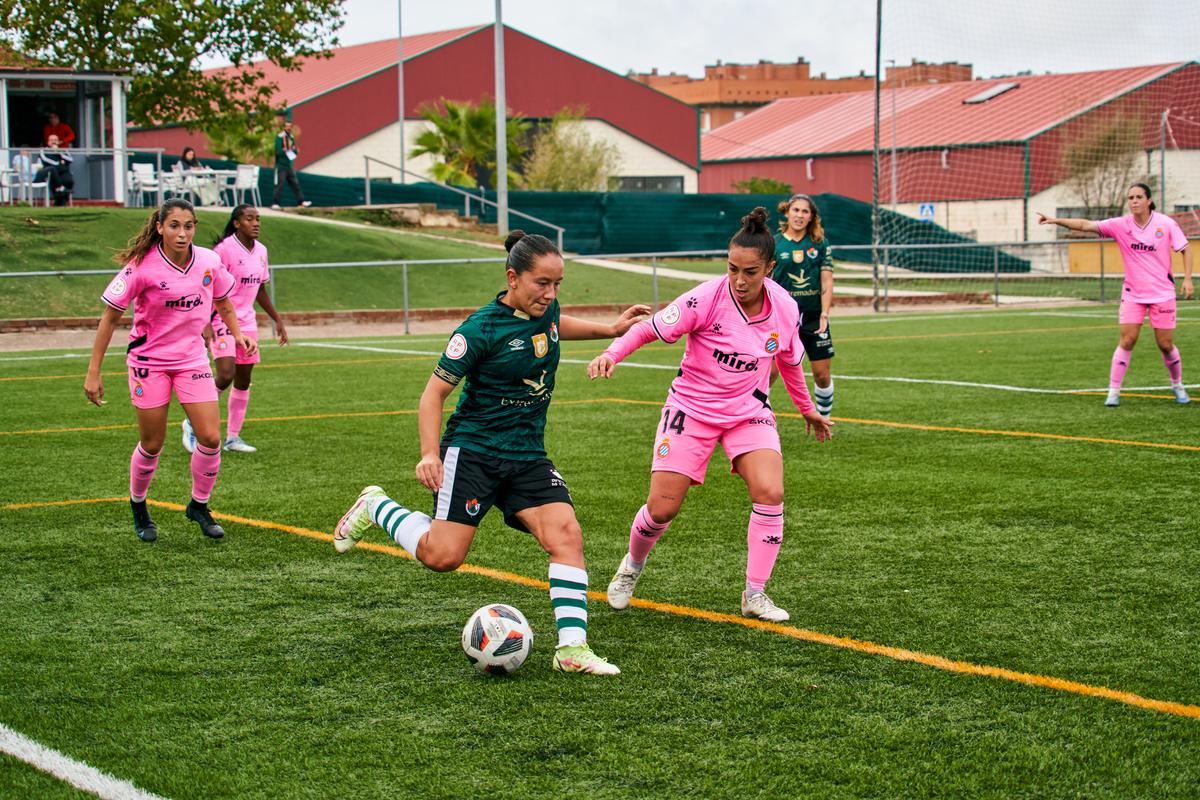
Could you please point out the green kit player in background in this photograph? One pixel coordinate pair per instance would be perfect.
(802, 266)
(492, 451)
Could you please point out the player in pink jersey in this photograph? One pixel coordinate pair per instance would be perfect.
(737, 326)
(173, 286)
(1146, 239)
(245, 259)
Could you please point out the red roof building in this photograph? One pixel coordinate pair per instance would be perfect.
(346, 106)
(981, 140)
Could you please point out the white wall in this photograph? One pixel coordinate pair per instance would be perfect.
(638, 159)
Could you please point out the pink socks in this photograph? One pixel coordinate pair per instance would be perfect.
(141, 472)
(763, 539)
(643, 535)
(239, 401)
(1120, 363)
(205, 466)
(1174, 365)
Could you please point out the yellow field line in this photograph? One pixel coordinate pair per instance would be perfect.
(625, 401)
(803, 634)
(335, 362)
(51, 503)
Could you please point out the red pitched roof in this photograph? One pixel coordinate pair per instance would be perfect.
(347, 64)
(925, 116)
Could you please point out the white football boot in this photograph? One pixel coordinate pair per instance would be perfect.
(759, 606)
(189, 437)
(355, 522)
(620, 591)
(236, 444)
(1114, 398)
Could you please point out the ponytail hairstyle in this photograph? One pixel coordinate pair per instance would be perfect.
(230, 228)
(754, 234)
(815, 231)
(1149, 197)
(149, 237)
(524, 247)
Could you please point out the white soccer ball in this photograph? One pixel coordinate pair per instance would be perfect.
(497, 639)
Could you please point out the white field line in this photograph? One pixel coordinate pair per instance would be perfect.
(879, 378)
(76, 773)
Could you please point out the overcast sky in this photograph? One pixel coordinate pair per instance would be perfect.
(835, 36)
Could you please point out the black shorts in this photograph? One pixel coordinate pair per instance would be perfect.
(817, 346)
(473, 482)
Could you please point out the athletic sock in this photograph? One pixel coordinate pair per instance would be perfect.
(1174, 365)
(763, 539)
(239, 401)
(1120, 363)
(141, 472)
(568, 595)
(205, 466)
(406, 527)
(823, 397)
(643, 535)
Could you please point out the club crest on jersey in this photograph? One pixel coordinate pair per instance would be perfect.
(472, 507)
(812, 252)
(1158, 233)
(222, 345)
(772, 342)
(797, 256)
(554, 331)
(207, 277)
(456, 348)
(540, 345)
(669, 315)
(664, 447)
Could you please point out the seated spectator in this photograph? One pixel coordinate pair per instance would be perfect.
(56, 127)
(55, 169)
(188, 160)
(22, 165)
(204, 186)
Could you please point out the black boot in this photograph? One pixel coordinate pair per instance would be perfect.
(198, 512)
(143, 526)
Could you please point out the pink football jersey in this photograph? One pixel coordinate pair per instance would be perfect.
(725, 374)
(1146, 252)
(171, 306)
(249, 271)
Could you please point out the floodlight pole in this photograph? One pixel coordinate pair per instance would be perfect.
(400, 78)
(1162, 159)
(875, 166)
(501, 132)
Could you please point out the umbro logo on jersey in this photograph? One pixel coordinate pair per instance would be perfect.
(517, 344)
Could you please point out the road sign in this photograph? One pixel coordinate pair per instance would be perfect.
(926, 212)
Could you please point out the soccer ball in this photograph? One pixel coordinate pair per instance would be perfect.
(497, 639)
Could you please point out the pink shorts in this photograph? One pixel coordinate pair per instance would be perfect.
(224, 346)
(684, 445)
(151, 388)
(1162, 315)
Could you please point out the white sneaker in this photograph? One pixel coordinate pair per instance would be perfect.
(355, 522)
(759, 606)
(275, 206)
(1181, 395)
(1114, 398)
(235, 444)
(189, 437)
(306, 204)
(620, 591)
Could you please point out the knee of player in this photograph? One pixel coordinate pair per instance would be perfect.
(662, 510)
(767, 496)
(225, 368)
(208, 439)
(442, 562)
(566, 539)
(152, 445)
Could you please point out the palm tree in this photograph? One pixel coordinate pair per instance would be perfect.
(463, 140)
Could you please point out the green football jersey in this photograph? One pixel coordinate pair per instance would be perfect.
(509, 360)
(798, 267)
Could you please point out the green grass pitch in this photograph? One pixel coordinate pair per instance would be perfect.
(265, 666)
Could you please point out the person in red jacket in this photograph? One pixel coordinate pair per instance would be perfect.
(56, 127)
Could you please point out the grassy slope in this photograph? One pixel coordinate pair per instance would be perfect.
(264, 666)
(71, 239)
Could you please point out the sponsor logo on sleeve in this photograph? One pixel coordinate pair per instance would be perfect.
(456, 348)
(540, 345)
(669, 315)
(116, 288)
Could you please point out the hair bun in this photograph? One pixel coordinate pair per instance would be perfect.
(755, 221)
(513, 238)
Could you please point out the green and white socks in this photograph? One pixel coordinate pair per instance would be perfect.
(404, 526)
(823, 398)
(568, 595)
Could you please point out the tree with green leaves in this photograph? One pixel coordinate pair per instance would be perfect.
(462, 140)
(564, 157)
(163, 44)
(757, 185)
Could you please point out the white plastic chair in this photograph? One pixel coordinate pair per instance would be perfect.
(146, 180)
(246, 182)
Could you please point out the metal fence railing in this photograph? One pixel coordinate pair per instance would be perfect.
(99, 173)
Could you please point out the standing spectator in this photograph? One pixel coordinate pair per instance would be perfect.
(54, 167)
(286, 151)
(56, 127)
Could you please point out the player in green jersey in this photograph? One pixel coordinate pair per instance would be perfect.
(492, 451)
(803, 267)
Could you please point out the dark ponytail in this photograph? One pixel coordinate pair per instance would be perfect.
(524, 247)
(754, 234)
(230, 229)
(1145, 189)
(149, 237)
